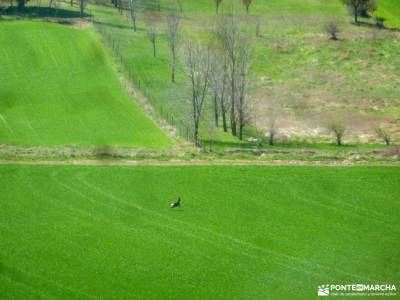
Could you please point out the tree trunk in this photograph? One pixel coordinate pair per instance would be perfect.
(196, 137)
(154, 48)
(247, 9)
(173, 66)
(223, 112)
(356, 14)
(241, 126)
(132, 11)
(196, 134)
(271, 139)
(81, 7)
(233, 114)
(216, 109)
(339, 140)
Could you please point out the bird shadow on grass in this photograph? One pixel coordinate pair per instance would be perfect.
(43, 12)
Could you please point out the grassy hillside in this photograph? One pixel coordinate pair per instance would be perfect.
(242, 232)
(58, 87)
(307, 78)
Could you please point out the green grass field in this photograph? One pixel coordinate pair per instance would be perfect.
(59, 87)
(242, 232)
(390, 10)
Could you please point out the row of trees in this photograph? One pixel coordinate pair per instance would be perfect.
(338, 128)
(219, 68)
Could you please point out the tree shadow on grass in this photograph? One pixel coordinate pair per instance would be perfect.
(105, 153)
(43, 12)
(107, 24)
(375, 26)
(228, 144)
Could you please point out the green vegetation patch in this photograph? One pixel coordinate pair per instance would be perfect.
(59, 87)
(241, 233)
(390, 11)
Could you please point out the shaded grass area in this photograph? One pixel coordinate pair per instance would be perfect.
(242, 232)
(43, 12)
(59, 87)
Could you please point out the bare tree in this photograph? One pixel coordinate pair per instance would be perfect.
(242, 103)
(152, 34)
(133, 9)
(218, 83)
(383, 134)
(234, 45)
(173, 36)
(338, 128)
(332, 29)
(227, 32)
(217, 4)
(198, 63)
(360, 7)
(247, 4)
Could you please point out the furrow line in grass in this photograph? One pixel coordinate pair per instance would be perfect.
(29, 289)
(223, 246)
(233, 240)
(6, 123)
(344, 211)
(28, 276)
(278, 260)
(368, 213)
(129, 230)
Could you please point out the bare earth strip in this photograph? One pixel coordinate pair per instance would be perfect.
(88, 162)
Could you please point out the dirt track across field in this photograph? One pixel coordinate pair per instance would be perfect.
(89, 162)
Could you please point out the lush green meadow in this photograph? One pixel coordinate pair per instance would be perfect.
(242, 232)
(59, 87)
(390, 11)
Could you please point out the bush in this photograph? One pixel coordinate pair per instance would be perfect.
(332, 29)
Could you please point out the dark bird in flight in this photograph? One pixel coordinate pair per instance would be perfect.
(177, 203)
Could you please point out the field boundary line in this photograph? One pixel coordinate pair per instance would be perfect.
(197, 162)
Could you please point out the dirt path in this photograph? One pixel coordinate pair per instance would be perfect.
(87, 162)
